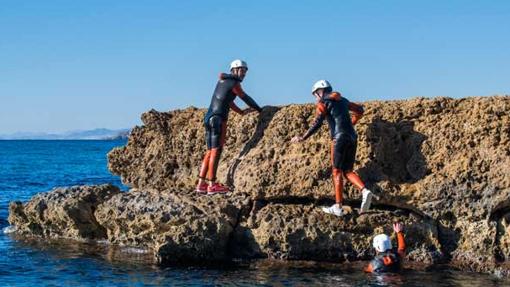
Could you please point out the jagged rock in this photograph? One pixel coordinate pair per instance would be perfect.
(304, 232)
(178, 228)
(62, 213)
(441, 158)
(440, 165)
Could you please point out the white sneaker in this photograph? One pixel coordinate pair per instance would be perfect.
(366, 201)
(334, 209)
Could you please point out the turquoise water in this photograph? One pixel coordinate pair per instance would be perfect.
(29, 167)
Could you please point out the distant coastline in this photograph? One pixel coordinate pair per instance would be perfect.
(95, 134)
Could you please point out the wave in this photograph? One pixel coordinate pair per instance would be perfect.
(9, 229)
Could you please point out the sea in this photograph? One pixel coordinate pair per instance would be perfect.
(30, 167)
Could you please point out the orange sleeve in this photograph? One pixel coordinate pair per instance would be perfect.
(401, 244)
(355, 118)
(238, 90)
(321, 109)
(369, 268)
(357, 112)
(317, 123)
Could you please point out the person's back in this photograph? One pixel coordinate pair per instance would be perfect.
(339, 118)
(388, 259)
(227, 88)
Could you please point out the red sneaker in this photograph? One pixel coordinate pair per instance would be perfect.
(202, 188)
(217, 188)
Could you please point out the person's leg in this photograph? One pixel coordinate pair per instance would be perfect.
(336, 159)
(354, 178)
(338, 183)
(204, 166)
(223, 136)
(347, 166)
(202, 184)
(215, 151)
(218, 132)
(212, 169)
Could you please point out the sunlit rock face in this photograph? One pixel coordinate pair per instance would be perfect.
(439, 165)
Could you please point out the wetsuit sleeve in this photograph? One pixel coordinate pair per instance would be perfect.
(235, 108)
(247, 99)
(401, 245)
(369, 268)
(357, 112)
(224, 76)
(374, 266)
(317, 123)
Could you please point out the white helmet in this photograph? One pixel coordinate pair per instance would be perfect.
(321, 84)
(238, 64)
(382, 242)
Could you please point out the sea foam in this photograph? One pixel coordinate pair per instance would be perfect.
(9, 229)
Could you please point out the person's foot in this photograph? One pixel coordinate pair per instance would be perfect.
(217, 188)
(335, 209)
(366, 200)
(202, 188)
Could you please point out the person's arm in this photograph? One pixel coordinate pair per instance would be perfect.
(357, 112)
(235, 108)
(374, 266)
(238, 110)
(225, 76)
(317, 123)
(398, 228)
(369, 268)
(247, 99)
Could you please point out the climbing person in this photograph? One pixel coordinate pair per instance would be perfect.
(215, 121)
(387, 259)
(336, 110)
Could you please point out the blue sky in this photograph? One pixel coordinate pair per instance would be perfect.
(68, 65)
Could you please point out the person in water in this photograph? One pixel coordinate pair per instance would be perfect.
(387, 259)
(336, 110)
(215, 121)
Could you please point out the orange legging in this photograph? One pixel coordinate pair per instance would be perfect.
(338, 180)
(212, 156)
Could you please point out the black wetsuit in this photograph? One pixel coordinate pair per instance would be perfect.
(335, 109)
(215, 121)
(227, 88)
(390, 260)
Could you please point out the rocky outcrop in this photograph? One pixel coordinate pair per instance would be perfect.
(62, 213)
(178, 228)
(304, 232)
(440, 165)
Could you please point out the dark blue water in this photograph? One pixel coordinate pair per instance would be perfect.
(29, 167)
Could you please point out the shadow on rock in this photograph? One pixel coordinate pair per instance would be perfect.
(448, 234)
(395, 153)
(264, 120)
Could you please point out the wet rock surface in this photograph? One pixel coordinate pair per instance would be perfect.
(440, 166)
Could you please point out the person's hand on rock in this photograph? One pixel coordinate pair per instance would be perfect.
(296, 139)
(248, 110)
(398, 227)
